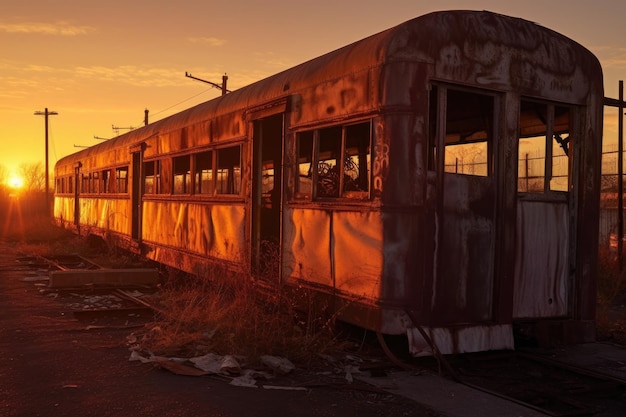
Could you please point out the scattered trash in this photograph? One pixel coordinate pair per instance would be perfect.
(280, 366)
(217, 364)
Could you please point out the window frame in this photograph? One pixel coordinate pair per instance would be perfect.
(550, 143)
(315, 136)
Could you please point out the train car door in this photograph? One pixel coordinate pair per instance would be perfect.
(77, 185)
(136, 192)
(267, 196)
(465, 123)
(545, 211)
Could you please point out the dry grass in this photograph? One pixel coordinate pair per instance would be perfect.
(227, 314)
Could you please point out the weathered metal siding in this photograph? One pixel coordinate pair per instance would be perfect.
(215, 230)
(64, 209)
(306, 239)
(105, 214)
(357, 253)
(542, 261)
(338, 249)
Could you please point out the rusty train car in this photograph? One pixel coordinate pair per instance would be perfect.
(439, 179)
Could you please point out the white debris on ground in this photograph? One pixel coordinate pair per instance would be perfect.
(234, 368)
(95, 302)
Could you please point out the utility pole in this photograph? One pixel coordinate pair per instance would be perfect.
(145, 117)
(47, 113)
(620, 178)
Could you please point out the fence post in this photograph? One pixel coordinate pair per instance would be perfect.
(620, 179)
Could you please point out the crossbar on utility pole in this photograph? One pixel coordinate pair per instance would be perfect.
(220, 86)
(47, 113)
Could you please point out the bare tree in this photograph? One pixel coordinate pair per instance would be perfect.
(34, 177)
(4, 177)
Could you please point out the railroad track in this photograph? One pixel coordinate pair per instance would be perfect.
(89, 302)
(547, 385)
(59, 262)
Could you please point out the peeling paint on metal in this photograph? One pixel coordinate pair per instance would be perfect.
(541, 270)
(461, 339)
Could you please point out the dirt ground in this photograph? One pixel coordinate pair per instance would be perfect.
(53, 364)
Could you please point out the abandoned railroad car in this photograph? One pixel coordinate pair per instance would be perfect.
(439, 179)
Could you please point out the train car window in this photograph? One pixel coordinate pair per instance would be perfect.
(151, 173)
(532, 147)
(204, 173)
(228, 175)
(106, 181)
(96, 182)
(70, 185)
(357, 160)
(121, 179)
(469, 127)
(561, 150)
(342, 155)
(543, 151)
(328, 165)
(304, 184)
(182, 174)
(84, 183)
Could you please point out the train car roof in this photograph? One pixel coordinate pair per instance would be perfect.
(424, 39)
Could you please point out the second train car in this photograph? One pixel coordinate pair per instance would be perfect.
(439, 179)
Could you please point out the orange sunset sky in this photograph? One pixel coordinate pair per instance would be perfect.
(99, 64)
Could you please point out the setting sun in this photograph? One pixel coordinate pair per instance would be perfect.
(16, 182)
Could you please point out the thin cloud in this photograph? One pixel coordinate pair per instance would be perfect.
(611, 56)
(134, 75)
(207, 41)
(43, 28)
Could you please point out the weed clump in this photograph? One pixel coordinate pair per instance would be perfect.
(229, 313)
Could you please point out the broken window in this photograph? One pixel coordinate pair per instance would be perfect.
(343, 161)
(182, 174)
(204, 173)
(304, 183)
(469, 127)
(544, 147)
(228, 173)
(328, 164)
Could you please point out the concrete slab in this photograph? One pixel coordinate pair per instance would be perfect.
(104, 277)
(447, 397)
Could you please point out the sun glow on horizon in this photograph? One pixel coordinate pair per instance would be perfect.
(15, 181)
